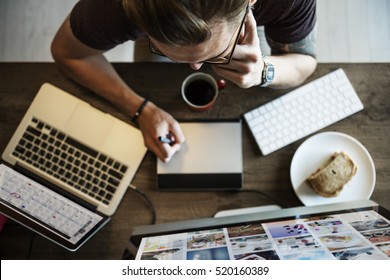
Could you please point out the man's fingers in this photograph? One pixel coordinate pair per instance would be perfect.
(249, 41)
(250, 36)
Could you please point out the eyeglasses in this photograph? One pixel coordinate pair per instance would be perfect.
(219, 59)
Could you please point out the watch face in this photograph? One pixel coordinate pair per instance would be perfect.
(270, 73)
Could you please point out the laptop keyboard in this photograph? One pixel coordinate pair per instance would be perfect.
(66, 159)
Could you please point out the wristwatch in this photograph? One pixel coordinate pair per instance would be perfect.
(268, 74)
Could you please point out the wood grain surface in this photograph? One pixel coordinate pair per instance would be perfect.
(160, 82)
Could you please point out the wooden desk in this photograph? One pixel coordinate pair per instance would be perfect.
(19, 83)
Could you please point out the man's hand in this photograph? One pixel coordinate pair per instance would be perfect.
(155, 122)
(245, 68)
(293, 63)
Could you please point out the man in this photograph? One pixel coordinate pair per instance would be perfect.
(222, 33)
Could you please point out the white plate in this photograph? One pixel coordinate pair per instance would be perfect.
(318, 149)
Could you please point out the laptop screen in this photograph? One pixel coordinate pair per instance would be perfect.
(341, 231)
(45, 211)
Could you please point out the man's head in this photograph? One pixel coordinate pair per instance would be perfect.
(193, 31)
(183, 22)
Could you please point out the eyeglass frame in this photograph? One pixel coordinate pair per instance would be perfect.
(222, 60)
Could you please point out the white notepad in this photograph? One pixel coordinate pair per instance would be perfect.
(210, 159)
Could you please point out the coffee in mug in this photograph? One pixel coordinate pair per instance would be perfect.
(200, 91)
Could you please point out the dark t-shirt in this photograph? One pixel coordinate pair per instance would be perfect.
(103, 24)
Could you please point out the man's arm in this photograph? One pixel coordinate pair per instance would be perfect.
(91, 69)
(293, 62)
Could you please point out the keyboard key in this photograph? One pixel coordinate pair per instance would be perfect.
(123, 169)
(110, 189)
(102, 158)
(113, 182)
(28, 137)
(115, 173)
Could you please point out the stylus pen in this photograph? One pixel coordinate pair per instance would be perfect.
(167, 139)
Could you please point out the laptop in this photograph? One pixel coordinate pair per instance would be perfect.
(67, 157)
(355, 230)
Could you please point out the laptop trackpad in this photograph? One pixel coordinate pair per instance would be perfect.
(89, 125)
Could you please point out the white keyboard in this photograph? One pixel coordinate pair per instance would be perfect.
(303, 111)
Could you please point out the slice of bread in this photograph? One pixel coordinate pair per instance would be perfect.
(330, 179)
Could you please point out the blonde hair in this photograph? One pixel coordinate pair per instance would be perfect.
(182, 22)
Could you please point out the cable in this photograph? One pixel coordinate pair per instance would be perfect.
(263, 194)
(147, 200)
(129, 254)
(30, 246)
(154, 212)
